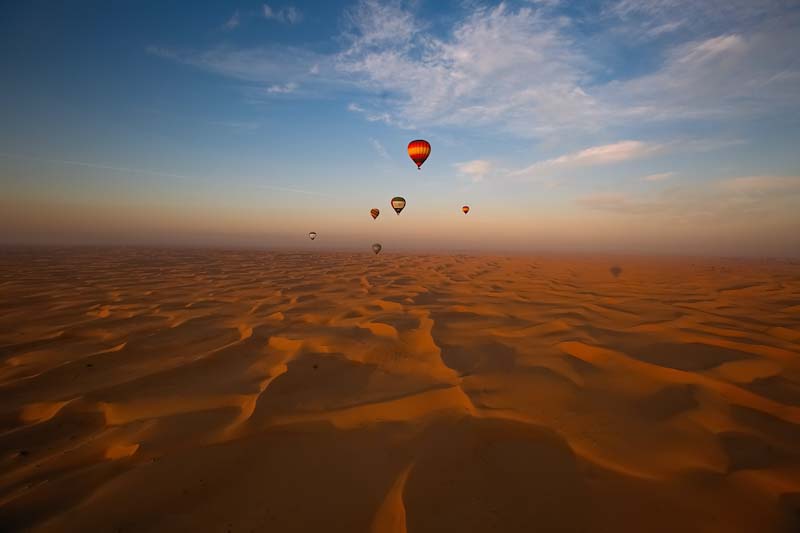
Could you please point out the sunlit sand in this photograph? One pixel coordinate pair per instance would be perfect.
(180, 390)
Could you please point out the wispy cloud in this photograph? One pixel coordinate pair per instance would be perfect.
(526, 71)
(497, 66)
(617, 202)
(658, 177)
(476, 169)
(731, 200)
(286, 15)
(379, 148)
(595, 155)
(232, 22)
(149, 172)
(760, 185)
(98, 166)
(282, 89)
(292, 190)
(378, 116)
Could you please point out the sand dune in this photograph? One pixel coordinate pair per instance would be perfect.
(180, 390)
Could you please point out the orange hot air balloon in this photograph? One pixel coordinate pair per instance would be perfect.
(374, 212)
(419, 151)
(465, 209)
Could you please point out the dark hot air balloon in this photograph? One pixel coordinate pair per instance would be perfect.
(465, 209)
(398, 203)
(377, 248)
(313, 235)
(374, 212)
(419, 151)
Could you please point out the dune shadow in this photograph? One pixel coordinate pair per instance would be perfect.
(776, 388)
(494, 475)
(486, 357)
(668, 402)
(691, 356)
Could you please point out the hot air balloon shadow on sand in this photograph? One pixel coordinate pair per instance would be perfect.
(312, 235)
(418, 151)
(374, 212)
(465, 209)
(398, 203)
(376, 248)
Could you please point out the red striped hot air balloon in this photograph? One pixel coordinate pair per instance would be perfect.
(419, 151)
(374, 212)
(465, 209)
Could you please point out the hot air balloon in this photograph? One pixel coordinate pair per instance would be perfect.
(398, 203)
(419, 151)
(374, 212)
(313, 235)
(377, 248)
(465, 209)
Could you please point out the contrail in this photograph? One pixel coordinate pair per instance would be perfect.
(147, 172)
(298, 191)
(95, 165)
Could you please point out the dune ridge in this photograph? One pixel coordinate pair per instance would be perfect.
(163, 390)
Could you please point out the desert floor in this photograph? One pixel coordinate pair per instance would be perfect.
(157, 390)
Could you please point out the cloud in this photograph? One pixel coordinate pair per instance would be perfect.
(724, 77)
(286, 15)
(658, 177)
(232, 22)
(272, 64)
(476, 169)
(236, 125)
(282, 89)
(372, 23)
(497, 66)
(531, 72)
(379, 148)
(745, 201)
(617, 203)
(595, 155)
(377, 116)
(760, 185)
(98, 166)
(521, 70)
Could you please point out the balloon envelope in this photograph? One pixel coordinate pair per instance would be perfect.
(418, 151)
(374, 212)
(377, 248)
(313, 235)
(398, 203)
(465, 209)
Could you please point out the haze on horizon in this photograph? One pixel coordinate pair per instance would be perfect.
(655, 126)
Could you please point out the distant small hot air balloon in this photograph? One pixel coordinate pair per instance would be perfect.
(377, 248)
(398, 203)
(313, 235)
(419, 151)
(465, 209)
(374, 212)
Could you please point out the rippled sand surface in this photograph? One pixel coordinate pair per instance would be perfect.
(156, 390)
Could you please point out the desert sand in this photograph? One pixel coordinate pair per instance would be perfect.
(181, 390)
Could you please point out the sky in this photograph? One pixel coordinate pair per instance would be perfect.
(632, 126)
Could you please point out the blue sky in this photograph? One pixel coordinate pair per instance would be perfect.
(648, 126)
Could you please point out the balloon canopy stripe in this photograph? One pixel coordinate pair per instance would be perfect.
(418, 151)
